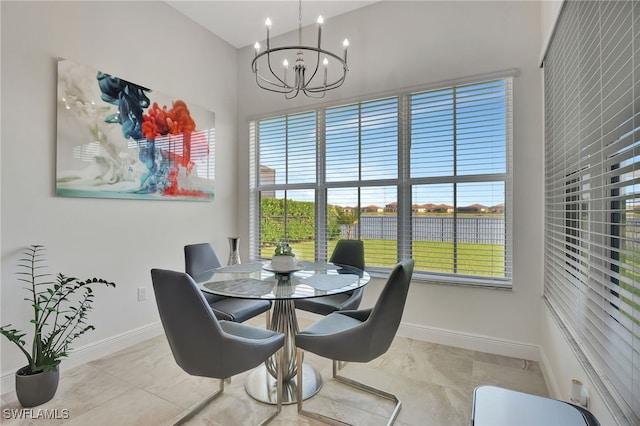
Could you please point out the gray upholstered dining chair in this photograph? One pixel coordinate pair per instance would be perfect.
(348, 253)
(358, 336)
(200, 258)
(204, 346)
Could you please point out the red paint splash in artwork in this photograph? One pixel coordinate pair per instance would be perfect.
(175, 191)
(176, 121)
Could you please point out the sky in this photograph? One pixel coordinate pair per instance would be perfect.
(453, 132)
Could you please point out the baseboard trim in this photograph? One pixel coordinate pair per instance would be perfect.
(95, 350)
(549, 377)
(474, 342)
(470, 341)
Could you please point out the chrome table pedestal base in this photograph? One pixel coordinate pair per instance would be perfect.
(261, 385)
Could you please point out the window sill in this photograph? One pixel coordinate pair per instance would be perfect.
(490, 284)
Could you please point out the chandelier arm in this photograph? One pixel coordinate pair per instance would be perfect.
(312, 94)
(284, 84)
(321, 89)
(331, 86)
(289, 89)
(270, 87)
(315, 71)
(267, 84)
(287, 96)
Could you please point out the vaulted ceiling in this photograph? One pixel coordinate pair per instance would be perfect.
(241, 23)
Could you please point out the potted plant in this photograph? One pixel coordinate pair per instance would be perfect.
(60, 310)
(283, 258)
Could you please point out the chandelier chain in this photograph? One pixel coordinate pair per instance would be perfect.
(300, 22)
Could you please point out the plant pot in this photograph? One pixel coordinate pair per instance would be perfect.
(36, 389)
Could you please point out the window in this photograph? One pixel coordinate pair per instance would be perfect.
(423, 175)
(592, 176)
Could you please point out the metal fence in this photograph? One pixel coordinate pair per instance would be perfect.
(469, 229)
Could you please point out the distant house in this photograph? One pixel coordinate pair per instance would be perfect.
(372, 209)
(391, 207)
(473, 208)
(499, 208)
(434, 208)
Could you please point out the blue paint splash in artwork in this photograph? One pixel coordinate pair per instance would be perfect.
(155, 178)
(130, 100)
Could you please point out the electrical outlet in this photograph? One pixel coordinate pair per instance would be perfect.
(142, 294)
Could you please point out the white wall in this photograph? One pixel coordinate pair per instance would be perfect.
(550, 10)
(396, 45)
(147, 43)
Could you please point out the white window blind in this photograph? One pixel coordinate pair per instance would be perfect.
(421, 175)
(592, 177)
(459, 157)
(362, 174)
(286, 176)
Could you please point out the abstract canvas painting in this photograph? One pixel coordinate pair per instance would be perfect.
(118, 139)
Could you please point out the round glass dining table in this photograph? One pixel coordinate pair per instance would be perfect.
(257, 280)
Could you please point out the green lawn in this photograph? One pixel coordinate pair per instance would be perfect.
(473, 259)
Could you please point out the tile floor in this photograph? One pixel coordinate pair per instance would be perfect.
(142, 385)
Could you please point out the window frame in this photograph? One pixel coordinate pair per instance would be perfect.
(403, 182)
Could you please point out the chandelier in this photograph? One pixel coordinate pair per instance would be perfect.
(308, 77)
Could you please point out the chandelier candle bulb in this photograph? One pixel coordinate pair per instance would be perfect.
(285, 65)
(267, 24)
(345, 44)
(325, 62)
(320, 22)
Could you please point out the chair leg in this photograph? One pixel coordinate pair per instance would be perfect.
(301, 411)
(199, 406)
(348, 382)
(371, 390)
(268, 319)
(196, 408)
